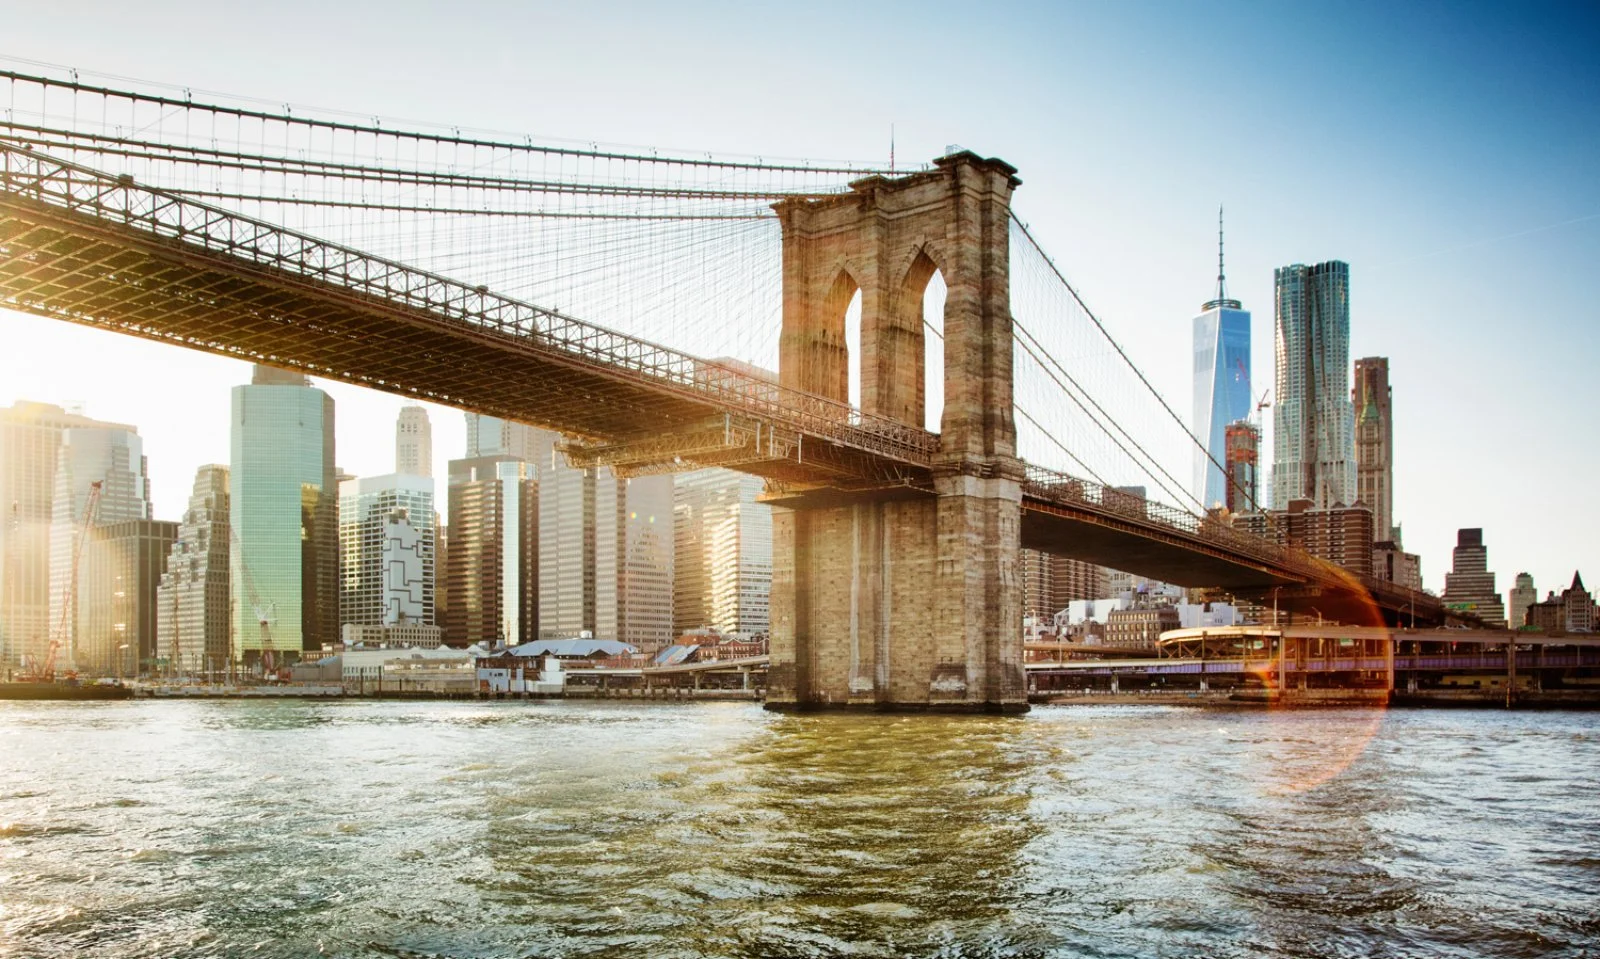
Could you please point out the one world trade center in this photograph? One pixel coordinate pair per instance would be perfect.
(1221, 383)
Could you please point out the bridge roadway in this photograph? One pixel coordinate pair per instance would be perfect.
(100, 250)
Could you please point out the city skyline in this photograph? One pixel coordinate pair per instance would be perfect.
(1430, 273)
(831, 490)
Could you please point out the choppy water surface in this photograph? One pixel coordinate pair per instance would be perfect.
(563, 829)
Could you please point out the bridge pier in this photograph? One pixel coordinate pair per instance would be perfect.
(900, 604)
(898, 598)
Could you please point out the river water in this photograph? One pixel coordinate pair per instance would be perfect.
(569, 829)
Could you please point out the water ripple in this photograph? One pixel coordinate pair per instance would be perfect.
(372, 829)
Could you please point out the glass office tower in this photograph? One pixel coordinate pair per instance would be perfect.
(112, 456)
(1221, 384)
(284, 516)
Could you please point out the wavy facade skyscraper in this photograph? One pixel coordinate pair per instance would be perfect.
(1313, 435)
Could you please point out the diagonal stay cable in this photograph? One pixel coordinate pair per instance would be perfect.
(1029, 337)
(1136, 371)
(1036, 424)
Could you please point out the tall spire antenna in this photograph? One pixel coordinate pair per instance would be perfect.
(1222, 283)
(1222, 301)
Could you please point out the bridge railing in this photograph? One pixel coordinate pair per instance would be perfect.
(117, 199)
(1052, 486)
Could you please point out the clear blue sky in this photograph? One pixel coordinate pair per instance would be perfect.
(1449, 152)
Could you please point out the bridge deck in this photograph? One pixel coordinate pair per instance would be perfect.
(99, 250)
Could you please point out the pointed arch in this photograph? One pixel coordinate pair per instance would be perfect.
(841, 321)
(921, 320)
(934, 298)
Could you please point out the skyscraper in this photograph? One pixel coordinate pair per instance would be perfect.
(1338, 534)
(568, 574)
(122, 564)
(1242, 447)
(1073, 579)
(1312, 442)
(387, 565)
(1523, 596)
(722, 554)
(633, 559)
(1038, 593)
(1469, 586)
(604, 544)
(30, 441)
(493, 570)
(413, 442)
(284, 516)
(441, 577)
(492, 436)
(1375, 444)
(1050, 583)
(192, 621)
(1221, 384)
(113, 457)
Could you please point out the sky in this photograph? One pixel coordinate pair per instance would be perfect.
(1449, 152)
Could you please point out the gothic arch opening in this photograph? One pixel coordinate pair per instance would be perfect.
(923, 298)
(842, 318)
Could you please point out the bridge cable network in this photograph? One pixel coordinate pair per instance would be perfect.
(667, 246)
(1033, 252)
(675, 249)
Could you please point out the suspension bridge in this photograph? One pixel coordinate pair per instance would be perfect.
(892, 351)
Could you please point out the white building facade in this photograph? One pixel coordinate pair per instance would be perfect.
(413, 442)
(387, 573)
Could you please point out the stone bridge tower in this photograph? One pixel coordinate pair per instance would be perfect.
(881, 599)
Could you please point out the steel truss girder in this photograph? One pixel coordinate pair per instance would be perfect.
(724, 441)
(1055, 491)
(86, 207)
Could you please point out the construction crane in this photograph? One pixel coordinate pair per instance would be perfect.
(69, 599)
(264, 612)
